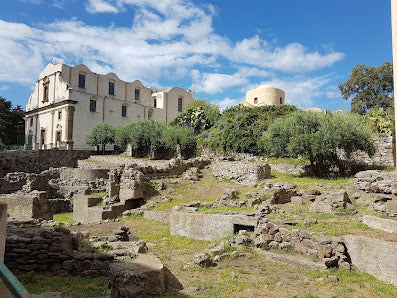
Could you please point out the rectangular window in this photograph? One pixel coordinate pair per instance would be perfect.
(59, 115)
(31, 121)
(281, 100)
(137, 94)
(123, 111)
(179, 104)
(111, 88)
(45, 94)
(92, 105)
(155, 102)
(81, 80)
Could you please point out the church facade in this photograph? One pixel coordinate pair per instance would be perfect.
(68, 102)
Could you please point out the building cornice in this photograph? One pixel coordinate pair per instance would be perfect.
(50, 106)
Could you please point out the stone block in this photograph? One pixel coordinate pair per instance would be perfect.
(143, 276)
(374, 256)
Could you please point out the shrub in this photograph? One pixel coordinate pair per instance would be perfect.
(381, 120)
(200, 115)
(152, 137)
(239, 128)
(317, 137)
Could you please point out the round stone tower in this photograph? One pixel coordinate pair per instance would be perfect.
(265, 95)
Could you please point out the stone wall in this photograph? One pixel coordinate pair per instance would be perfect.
(25, 206)
(51, 251)
(384, 154)
(37, 161)
(83, 174)
(202, 226)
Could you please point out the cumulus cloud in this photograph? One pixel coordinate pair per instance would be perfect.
(100, 6)
(227, 102)
(215, 82)
(167, 38)
(292, 58)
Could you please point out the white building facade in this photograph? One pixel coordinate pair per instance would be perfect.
(68, 102)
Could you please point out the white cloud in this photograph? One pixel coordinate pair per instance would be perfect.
(167, 38)
(100, 6)
(227, 102)
(215, 82)
(3, 87)
(292, 58)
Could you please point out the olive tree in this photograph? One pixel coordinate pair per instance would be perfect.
(318, 137)
(101, 134)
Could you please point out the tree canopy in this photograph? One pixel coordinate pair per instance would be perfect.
(318, 137)
(101, 134)
(239, 128)
(12, 123)
(371, 87)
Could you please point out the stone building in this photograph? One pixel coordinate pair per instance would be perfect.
(263, 96)
(68, 101)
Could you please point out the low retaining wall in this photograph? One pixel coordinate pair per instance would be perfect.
(25, 206)
(38, 161)
(52, 251)
(87, 210)
(202, 226)
(374, 256)
(384, 154)
(83, 174)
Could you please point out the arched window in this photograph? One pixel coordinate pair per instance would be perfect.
(82, 79)
(111, 87)
(180, 103)
(155, 101)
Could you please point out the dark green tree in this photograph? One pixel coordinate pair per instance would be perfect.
(101, 134)
(239, 128)
(317, 137)
(12, 123)
(369, 87)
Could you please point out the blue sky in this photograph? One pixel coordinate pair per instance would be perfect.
(220, 49)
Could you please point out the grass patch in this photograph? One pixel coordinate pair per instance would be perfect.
(64, 217)
(290, 161)
(304, 181)
(71, 286)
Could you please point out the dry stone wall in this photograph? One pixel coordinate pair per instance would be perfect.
(384, 154)
(38, 161)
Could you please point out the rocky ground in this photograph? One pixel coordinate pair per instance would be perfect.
(289, 200)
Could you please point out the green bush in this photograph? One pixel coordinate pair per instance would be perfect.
(149, 136)
(317, 137)
(381, 120)
(239, 128)
(200, 115)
